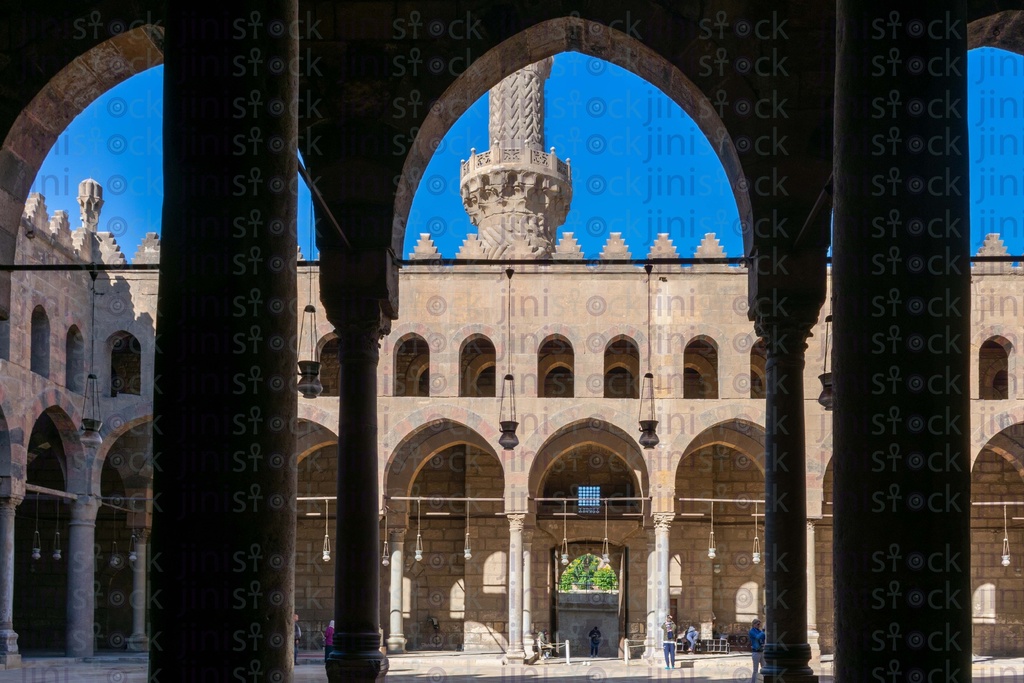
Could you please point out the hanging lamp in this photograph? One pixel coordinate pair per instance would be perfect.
(755, 556)
(826, 397)
(418, 554)
(648, 425)
(1005, 561)
(117, 560)
(565, 534)
(92, 422)
(327, 538)
(37, 541)
(309, 367)
(466, 551)
(606, 557)
(711, 538)
(56, 535)
(384, 556)
(133, 553)
(507, 417)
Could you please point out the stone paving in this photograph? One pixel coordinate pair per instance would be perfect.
(471, 668)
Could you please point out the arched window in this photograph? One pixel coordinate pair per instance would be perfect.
(412, 368)
(758, 377)
(621, 369)
(40, 342)
(555, 364)
(477, 368)
(74, 359)
(330, 368)
(983, 604)
(746, 601)
(993, 369)
(125, 365)
(700, 374)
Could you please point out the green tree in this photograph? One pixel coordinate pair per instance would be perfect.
(585, 572)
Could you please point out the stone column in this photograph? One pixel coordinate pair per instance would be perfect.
(356, 655)
(653, 638)
(396, 639)
(785, 521)
(139, 640)
(227, 272)
(9, 656)
(662, 527)
(812, 600)
(515, 652)
(81, 576)
(902, 445)
(527, 596)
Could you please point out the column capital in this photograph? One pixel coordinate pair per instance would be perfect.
(10, 503)
(810, 525)
(396, 534)
(141, 534)
(516, 521)
(663, 520)
(786, 334)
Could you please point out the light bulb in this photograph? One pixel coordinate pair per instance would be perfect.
(606, 558)
(327, 556)
(1005, 561)
(418, 555)
(36, 554)
(711, 553)
(565, 558)
(132, 556)
(56, 554)
(385, 561)
(468, 555)
(756, 558)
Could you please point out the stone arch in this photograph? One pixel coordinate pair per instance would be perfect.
(478, 372)
(758, 371)
(738, 434)
(621, 368)
(700, 368)
(40, 342)
(411, 365)
(593, 431)
(125, 353)
(1000, 30)
(994, 379)
(556, 367)
(545, 39)
(74, 360)
(311, 436)
(41, 122)
(418, 446)
(330, 367)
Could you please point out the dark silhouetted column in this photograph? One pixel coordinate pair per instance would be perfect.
(223, 533)
(901, 282)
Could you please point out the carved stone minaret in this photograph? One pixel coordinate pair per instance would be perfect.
(516, 193)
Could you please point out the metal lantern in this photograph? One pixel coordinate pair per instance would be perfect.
(91, 422)
(37, 546)
(1005, 560)
(755, 555)
(648, 424)
(418, 551)
(384, 556)
(309, 369)
(711, 539)
(826, 398)
(507, 417)
(327, 538)
(133, 554)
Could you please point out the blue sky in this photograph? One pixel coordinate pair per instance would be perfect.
(640, 166)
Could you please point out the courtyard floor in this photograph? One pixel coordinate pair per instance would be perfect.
(467, 667)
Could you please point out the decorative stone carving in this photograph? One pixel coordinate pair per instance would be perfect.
(425, 249)
(90, 201)
(516, 194)
(615, 248)
(710, 247)
(992, 246)
(568, 247)
(663, 248)
(663, 520)
(149, 249)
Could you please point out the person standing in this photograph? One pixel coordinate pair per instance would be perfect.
(595, 641)
(756, 648)
(328, 639)
(298, 636)
(668, 642)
